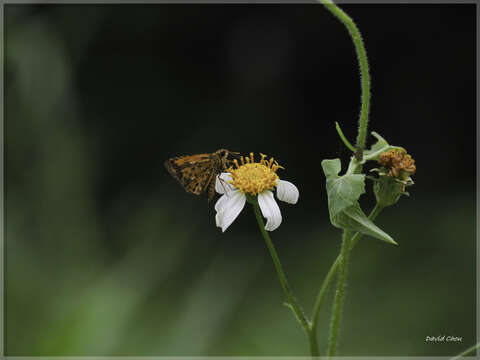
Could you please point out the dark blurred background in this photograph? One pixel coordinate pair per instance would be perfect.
(106, 254)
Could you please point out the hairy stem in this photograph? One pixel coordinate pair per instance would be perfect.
(321, 294)
(348, 240)
(331, 274)
(364, 71)
(339, 293)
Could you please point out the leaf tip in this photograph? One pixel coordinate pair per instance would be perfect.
(393, 242)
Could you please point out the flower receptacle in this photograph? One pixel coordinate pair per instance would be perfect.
(388, 189)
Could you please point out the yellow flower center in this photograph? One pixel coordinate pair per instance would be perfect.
(254, 177)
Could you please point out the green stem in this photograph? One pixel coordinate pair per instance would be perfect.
(467, 352)
(293, 304)
(364, 71)
(348, 241)
(339, 293)
(321, 294)
(312, 339)
(331, 273)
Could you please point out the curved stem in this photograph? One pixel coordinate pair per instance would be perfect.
(281, 274)
(331, 273)
(364, 71)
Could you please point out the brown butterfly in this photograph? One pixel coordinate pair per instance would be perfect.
(197, 173)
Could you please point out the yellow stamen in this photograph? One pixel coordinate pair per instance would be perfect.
(270, 163)
(255, 177)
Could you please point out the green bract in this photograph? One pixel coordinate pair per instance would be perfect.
(343, 194)
(387, 190)
(378, 148)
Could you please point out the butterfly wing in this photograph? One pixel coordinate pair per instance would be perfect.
(193, 172)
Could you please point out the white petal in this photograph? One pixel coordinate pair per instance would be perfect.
(221, 183)
(270, 210)
(220, 203)
(287, 192)
(229, 209)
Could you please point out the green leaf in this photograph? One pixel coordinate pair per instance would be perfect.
(344, 139)
(332, 167)
(353, 218)
(343, 193)
(379, 147)
(381, 142)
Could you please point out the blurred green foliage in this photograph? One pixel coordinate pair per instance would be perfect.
(147, 273)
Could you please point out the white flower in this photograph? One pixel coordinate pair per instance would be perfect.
(257, 179)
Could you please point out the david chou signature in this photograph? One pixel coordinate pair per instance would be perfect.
(443, 338)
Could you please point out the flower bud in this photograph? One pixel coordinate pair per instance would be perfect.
(387, 190)
(394, 176)
(397, 164)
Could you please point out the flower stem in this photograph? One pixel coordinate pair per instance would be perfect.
(331, 273)
(339, 293)
(293, 304)
(364, 70)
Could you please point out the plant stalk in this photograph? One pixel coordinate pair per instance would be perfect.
(364, 71)
(331, 274)
(339, 293)
(293, 304)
